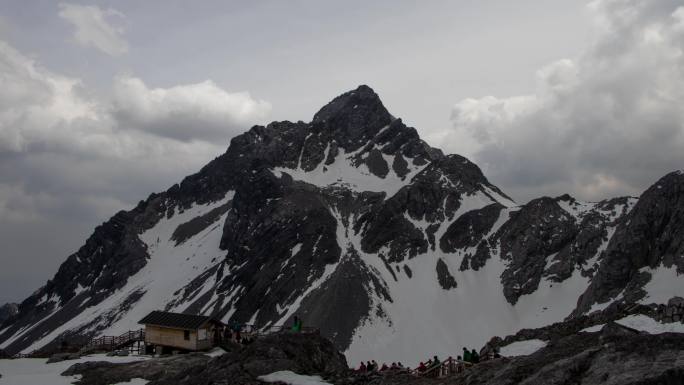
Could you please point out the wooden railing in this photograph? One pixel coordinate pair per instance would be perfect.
(109, 343)
(446, 368)
(264, 331)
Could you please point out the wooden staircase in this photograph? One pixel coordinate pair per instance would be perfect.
(132, 340)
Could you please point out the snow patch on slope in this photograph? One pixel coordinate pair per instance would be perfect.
(292, 378)
(342, 172)
(168, 269)
(521, 348)
(665, 283)
(642, 323)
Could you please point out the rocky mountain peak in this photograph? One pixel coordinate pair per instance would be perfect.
(360, 101)
(354, 117)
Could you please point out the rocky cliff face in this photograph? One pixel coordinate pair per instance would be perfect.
(649, 238)
(614, 356)
(351, 221)
(7, 311)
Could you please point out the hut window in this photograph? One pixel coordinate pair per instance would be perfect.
(202, 334)
(186, 335)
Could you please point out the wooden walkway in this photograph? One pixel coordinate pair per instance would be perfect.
(133, 340)
(446, 368)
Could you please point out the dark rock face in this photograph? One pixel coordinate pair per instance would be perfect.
(545, 240)
(8, 311)
(608, 358)
(194, 226)
(528, 246)
(651, 235)
(469, 229)
(444, 277)
(434, 196)
(306, 354)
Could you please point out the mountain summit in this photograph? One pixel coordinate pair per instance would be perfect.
(358, 226)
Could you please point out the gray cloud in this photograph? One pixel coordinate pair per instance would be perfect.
(69, 161)
(93, 27)
(609, 122)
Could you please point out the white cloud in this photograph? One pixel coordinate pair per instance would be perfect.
(185, 112)
(33, 102)
(609, 122)
(94, 28)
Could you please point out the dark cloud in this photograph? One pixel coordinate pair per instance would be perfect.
(610, 122)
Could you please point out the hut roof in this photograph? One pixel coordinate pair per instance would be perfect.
(176, 320)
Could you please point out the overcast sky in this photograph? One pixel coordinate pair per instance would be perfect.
(102, 103)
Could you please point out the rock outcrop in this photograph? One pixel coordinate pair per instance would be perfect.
(8, 311)
(612, 356)
(301, 353)
(650, 236)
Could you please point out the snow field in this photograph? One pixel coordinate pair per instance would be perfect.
(35, 371)
(665, 283)
(522, 348)
(292, 378)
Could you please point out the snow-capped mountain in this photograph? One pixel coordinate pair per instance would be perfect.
(393, 249)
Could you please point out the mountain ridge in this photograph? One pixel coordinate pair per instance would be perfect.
(360, 213)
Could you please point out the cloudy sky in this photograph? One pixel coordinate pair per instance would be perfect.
(102, 103)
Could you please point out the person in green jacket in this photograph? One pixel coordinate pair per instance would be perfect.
(474, 357)
(466, 355)
(297, 325)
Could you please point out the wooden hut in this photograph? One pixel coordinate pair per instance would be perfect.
(176, 331)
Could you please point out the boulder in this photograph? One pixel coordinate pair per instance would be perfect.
(59, 357)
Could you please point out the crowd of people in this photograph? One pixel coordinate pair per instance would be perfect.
(245, 334)
(373, 367)
(450, 365)
(235, 332)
